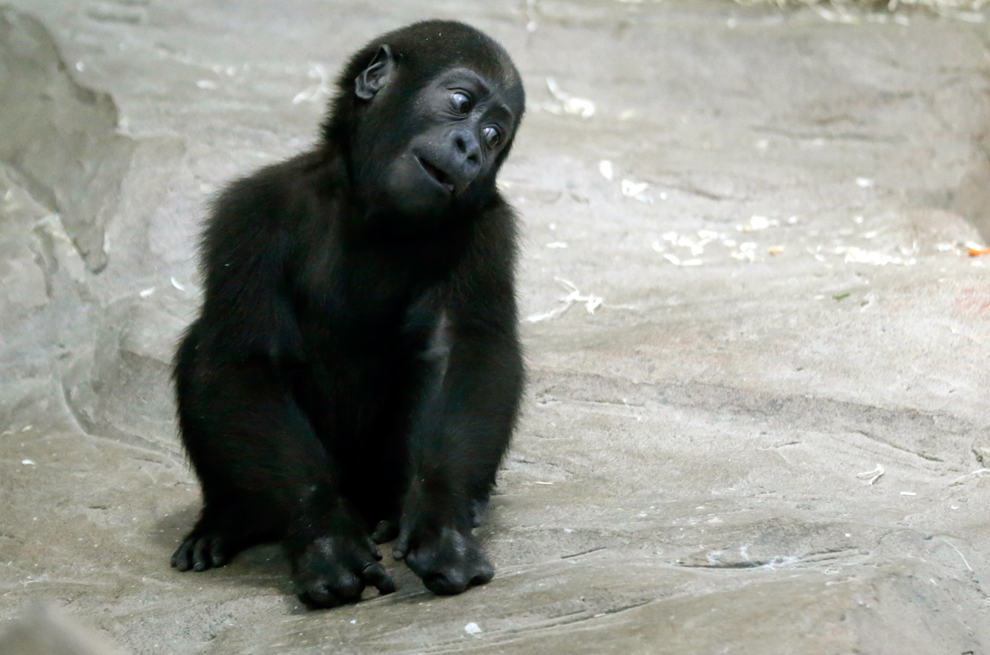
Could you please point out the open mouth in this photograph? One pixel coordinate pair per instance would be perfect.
(442, 178)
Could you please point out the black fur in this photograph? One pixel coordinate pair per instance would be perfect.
(355, 371)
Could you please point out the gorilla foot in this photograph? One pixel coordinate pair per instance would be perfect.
(218, 536)
(200, 552)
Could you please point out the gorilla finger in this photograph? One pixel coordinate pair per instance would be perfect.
(448, 583)
(423, 559)
(373, 547)
(375, 575)
(216, 552)
(385, 531)
(318, 595)
(175, 557)
(401, 548)
(347, 585)
(200, 558)
(180, 559)
(483, 573)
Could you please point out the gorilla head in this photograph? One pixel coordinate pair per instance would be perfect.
(427, 114)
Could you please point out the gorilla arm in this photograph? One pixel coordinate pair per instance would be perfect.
(466, 416)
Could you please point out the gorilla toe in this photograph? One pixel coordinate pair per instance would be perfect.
(199, 553)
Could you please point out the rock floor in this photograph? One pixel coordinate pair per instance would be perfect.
(770, 436)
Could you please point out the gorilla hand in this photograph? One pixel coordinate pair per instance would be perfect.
(442, 552)
(334, 569)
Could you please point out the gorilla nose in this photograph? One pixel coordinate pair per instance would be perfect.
(467, 153)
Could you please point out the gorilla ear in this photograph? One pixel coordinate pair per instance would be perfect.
(374, 78)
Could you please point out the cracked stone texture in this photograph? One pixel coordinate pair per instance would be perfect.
(691, 473)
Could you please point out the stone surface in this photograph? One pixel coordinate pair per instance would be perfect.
(769, 442)
(46, 631)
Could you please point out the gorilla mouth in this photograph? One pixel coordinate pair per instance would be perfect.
(442, 178)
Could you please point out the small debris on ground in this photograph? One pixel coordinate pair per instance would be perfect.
(697, 247)
(635, 190)
(871, 476)
(591, 302)
(978, 473)
(860, 256)
(746, 252)
(758, 223)
(677, 261)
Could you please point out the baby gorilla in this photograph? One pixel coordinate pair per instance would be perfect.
(354, 373)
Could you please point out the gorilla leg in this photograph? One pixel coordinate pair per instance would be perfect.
(255, 456)
(265, 475)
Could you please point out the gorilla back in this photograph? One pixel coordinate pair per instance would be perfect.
(355, 371)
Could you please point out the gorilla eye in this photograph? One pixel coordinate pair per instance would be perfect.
(461, 102)
(492, 136)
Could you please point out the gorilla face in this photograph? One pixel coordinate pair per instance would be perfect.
(465, 125)
(420, 152)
